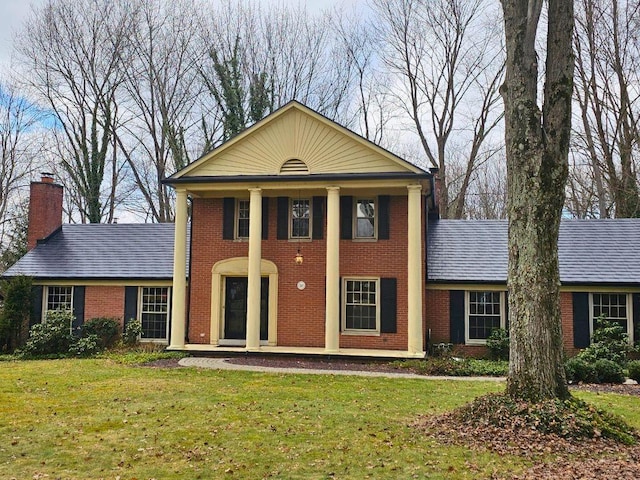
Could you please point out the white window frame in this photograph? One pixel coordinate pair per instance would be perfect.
(375, 219)
(141, 312)
(45, 300)
(629, 306)
(290, 219)
(467, 314)
(360, 331)
(236, 220)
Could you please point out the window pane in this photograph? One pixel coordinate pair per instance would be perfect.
(360, 305)
(484, 314)
(300, 218)
(365, 218)
(612, 305)
(59, 298)
(155, 311)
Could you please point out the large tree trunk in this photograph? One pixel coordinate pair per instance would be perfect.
(537, 145)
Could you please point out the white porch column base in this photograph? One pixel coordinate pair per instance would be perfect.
(414, 270)
(255, 254)
(332, 302)
(178, 290)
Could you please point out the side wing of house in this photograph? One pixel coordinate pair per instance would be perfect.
(467, 297)
(103, 271)
(306, 238)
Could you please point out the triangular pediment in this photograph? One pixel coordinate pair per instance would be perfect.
(296, 140)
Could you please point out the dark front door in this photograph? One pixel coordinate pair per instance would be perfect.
(235, 313)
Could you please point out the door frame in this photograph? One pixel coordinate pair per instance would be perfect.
(239, 267)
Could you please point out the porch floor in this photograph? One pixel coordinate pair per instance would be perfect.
(343, 352)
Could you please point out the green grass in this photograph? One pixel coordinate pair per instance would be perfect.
(100, 418)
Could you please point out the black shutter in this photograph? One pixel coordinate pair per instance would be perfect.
(636, 317)
(342, 310)
(388, 305)
(456, 315)
(78, 308)
(283, 218)
(383, 217)
(36, 304)
(265, 218)
(346, 214)
(130, 304)
(317, 229)
(581, 317)
(506, 311)
(228, 218)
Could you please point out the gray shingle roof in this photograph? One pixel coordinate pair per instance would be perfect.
(603, 251)
(100, 251)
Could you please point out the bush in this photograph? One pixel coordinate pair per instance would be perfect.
(106, 331)
(454, 367)
(608, 371)
(132, 332)
(633, 369)
(498, 344)
(14, 316)
(86, 346)
(579, 370)
(50, 337)
(609, 341)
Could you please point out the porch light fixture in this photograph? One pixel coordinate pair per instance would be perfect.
(299, 259)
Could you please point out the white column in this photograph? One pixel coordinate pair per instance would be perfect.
(255, 254)
(332, 305)
(178, 291)
(414, 270)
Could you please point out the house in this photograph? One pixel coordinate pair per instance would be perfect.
(306, 238)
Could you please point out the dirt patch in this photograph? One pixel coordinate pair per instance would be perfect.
(553, 457)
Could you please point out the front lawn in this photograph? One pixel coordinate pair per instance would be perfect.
(81, 419)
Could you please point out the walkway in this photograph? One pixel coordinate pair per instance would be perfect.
(224, 364)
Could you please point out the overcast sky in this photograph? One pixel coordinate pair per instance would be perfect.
(14, 12)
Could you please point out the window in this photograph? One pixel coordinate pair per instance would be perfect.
(615, 306)
(59, 298)
(242, 219)
(485, 312)
(361, 309)
(154, 313)
(365, 218)
(300, 225)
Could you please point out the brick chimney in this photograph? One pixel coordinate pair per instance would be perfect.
(45, 209)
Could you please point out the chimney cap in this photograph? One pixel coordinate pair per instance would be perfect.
(46, 177)
(434, 170)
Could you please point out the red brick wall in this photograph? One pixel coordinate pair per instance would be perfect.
(301, 313)
(566, 308)
(437, 316)
(104, 301)
(45, 210)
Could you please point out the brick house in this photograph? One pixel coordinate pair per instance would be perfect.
(306, 238)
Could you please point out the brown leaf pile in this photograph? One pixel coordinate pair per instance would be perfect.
(554, 457)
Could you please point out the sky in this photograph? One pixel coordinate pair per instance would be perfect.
(14, 12)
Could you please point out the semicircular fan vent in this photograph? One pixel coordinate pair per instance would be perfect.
(294, 167)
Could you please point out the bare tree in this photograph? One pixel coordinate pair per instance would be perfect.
(72, 58)
(261, 58)
(607, 135)
(20, 144)
(445, 55)
(159, 101)
(537, 146)
(373, 109)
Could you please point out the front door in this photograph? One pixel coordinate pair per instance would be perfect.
(235, 312)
